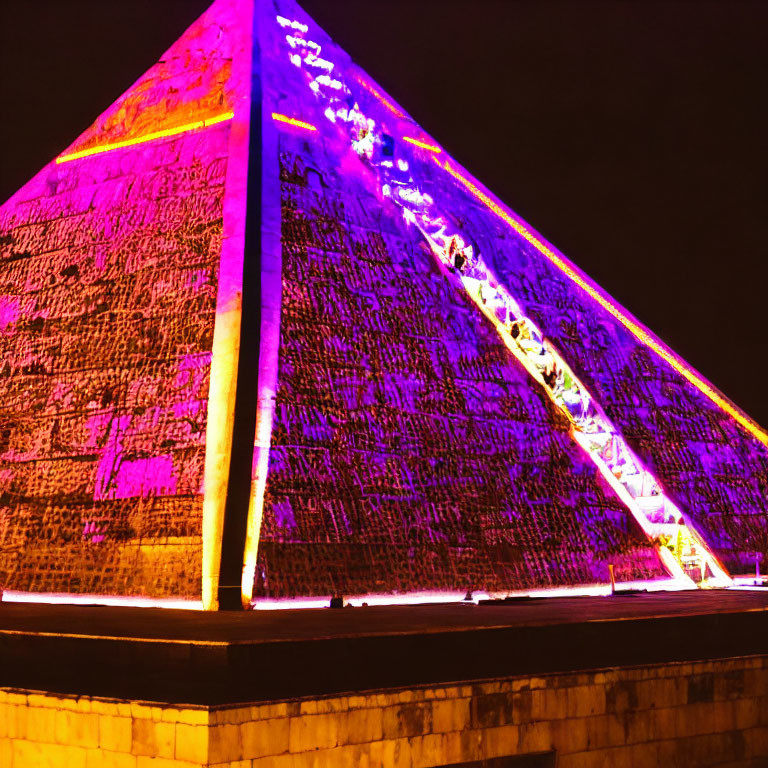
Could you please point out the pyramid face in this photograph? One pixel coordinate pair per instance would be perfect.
(108, 292)
(439, 400)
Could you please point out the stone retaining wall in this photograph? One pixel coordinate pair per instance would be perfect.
(692, 714)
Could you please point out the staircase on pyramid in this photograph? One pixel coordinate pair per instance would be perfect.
(262, 338)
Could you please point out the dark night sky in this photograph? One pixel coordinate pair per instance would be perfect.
(631, 134)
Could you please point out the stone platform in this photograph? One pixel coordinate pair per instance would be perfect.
(644, 679)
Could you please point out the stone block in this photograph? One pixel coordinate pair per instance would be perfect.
(701, 688)
(313, 732)
(756, 743)
(144, 761)
(104, 707)
(17, 697)
(150, 738)
(552, 704)
(661, 692)
(359, 726)
(265, 737)
(41, 724)
(586, 700)
(41, 700)
(620, 697)
(605, 731)
(638, 726)
(100, 758)
(569, 736)
(39, 755)
(495, 709)
(225, 743)
(450, 715)
(535, 737)
(503, 740)
(79, 729)
(6, 753)
(283, 761)
(191, 743)
(730, 684)
(666, 723)
(407, 720)
(747, 712)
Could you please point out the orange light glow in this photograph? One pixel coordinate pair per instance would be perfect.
(627, 322)
(293, 121)
(423, 145)
(384, 101)
(148, 137)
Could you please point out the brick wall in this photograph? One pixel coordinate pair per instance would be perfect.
(693, 714)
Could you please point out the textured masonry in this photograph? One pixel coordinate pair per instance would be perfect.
(692, 714)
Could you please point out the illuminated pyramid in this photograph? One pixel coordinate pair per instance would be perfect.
(263, 338)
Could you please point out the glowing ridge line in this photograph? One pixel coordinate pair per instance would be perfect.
(423, 145)
(677, 543)
(147, 137)
(629, 324)
(384, 101)
(293, 121)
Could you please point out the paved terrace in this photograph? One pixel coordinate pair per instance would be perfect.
(216, 658)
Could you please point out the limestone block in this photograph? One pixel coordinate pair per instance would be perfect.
(442, 749)
(701, 688)
(188, 716)
(639, 726)
(661, 692)
(153, 739)
(503, 740)
(17, 728)
(6, 753)
(407, 720)
(450, 715)
(104, 707)
(535, 737)
(39, 755)
(550, 704)
(77, 728)
(191, 743)
(756, 742)
(730, 684)
(144, 761)
(605, 731)
(265, 737)
(282, 761)
(360, 726)
(570, 735)
(100, 758)
(313, 732)
(586, 700)
(16, 697)
(40, 700)
(225, 743)
(747, 712)
(41, 724)
(498, 709)
(231, 764)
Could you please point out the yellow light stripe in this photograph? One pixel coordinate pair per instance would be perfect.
(423, 145)
(293, 121)
(629, 324)
(148, 137)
